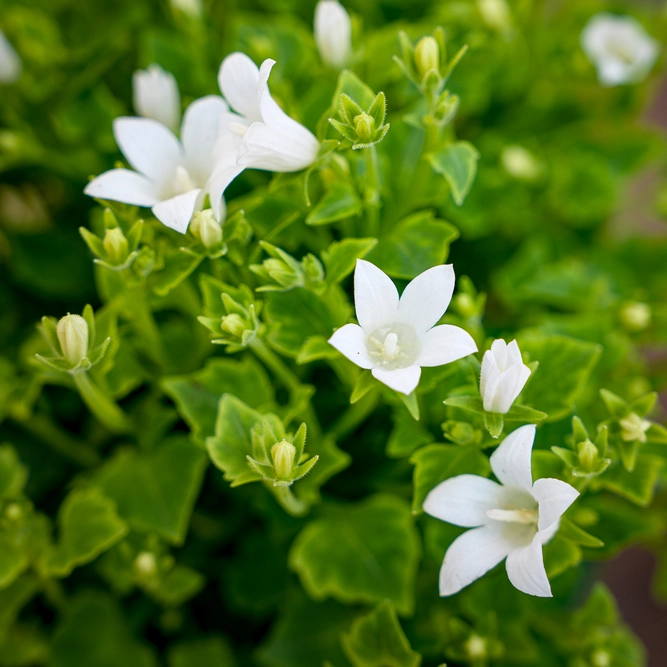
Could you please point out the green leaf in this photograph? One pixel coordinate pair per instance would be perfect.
(458, 164)
(14, 597)
(436, 463)
(494, 423)
(362, 553)
(522, 413)
(469, 403)
(93, 632)
(415, 244)
(13, 474)
(155, 491)
(365, 382)
(178, 265)
(209, 652)
(638, 485)
(560, 555)
(617, 407)
(13, 560)
(197, 395)
(407, 436)
(339, 203)
(565, 366)
(411, 403)
(340, 257)
(377, 640)
(178, 585)
(351, 85)
(89, 525)
(570, 531)
(316, 347)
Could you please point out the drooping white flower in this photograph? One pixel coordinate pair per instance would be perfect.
(260, 135)
(619, 47)
(333, 33)
(395, 337)
(10, 63)
(503, 377)
(509, 520)
(171, 176)
(156, 96)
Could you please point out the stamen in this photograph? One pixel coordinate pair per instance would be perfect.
(514, 516)
(238, 128)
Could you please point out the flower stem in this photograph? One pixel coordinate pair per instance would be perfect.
(355, 415)
(288, 501)
(101, 405)
(372, 191)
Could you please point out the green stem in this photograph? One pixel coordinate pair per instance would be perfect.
(101, 405)
(141, 318)
(288, 501)
(355, 415)
(53, 591)
(372, 191)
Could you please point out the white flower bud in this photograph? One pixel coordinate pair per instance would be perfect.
(636, 316)
(496, 13)
(427, 55)
(192, 8)
(520, 163)
(206, 228)
(503, 376)
(283, 454)
(633, 427)
(73, 336)
(10, 63)
(115, 245)
(333, 33)
(156, 96)
(145, 564)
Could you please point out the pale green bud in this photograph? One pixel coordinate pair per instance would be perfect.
(588, 455)
(636, 316)
(633, 427)
(601, 658)
(234, 324)
(365, 127)
(14, 512)
(283, 454)
(115, 245)
(476, 647)
(206, 228)
(520, 163)
(145, 564)
(496, 13)
(427, 55)
(73, 337)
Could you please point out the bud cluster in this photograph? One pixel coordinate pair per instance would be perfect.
(362, 128)
(282, 272)
(586, 458)
(115, 251)
(206, 228)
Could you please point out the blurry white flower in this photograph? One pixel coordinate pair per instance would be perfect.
(172, 176)
(396, 337)
(333, 33)
(503, 376)
(190, 7)
(620, 48)
(260, 135)
(10, 63)
(510, 520)
(156, 96)
(520, 163)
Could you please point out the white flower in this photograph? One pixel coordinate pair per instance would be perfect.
(510, 520)
(10, 63)
(156, 96)
(620, 48)
(503, 376)
(333, 33)
(172, 176)
(192, 8)
(396, 337)
(260, 135)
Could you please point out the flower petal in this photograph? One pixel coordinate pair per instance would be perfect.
(238, 79)
(511, 462)
(500, 395)
(10, 62)
(444, 344)
(525, 569)
(375, 296)
(125, 186)
(472, 555)
(464, 500)
(149, 147)
(425, 299)
(553, 497)
(202, 124)
(176, 212)
(404, 380)
(350, 340)
(155, 95)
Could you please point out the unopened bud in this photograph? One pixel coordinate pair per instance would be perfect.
(115, 245)
(233, 324)
(633, 428)
(476, 646)
(13, 512)
(496, 13)
(588, 455)
(427, 55)
(520, 163)
(145, 564)
(206, 228)
(283, 454)
(333, 33)
(636, 316)
(601, 658)
(73, 337)
(365, 127)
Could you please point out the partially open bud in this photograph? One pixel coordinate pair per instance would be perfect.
(427, 55)
(588, 455)
(633, 428)
(333, 33)
(283, 454)
(365, 127)
(73, 337)
(206, 228)
(116, 245)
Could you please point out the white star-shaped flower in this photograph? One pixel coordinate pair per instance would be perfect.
(503, 376)
(260, 135)
(620, 48)
(10, 63)
(155, 95)
(333, 33)
(509, 520)
(395, 337)
(172, 176)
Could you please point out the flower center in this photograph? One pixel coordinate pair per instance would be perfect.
(621, 51)
(237, 128)
(514, 516)
(394, 346)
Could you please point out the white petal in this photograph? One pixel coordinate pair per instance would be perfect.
(511, 462)
(10, 63)
(500, 397)
(500, 353)
(553, 497)
(149, 147)
(223, 175)
(404, 380)
(489, 376)
(547, 534)
(525, 569)
(425, 299)
(464, 500)
(156, 96)
(444, 344)
(238, 78)
(201, 129)
(375, 296)
(333, 33)
(176, 212)
(350, 340)
(513, 354)
(472, 555)
(125, 186)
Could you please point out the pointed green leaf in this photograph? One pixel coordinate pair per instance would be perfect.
(340, 258)
(365, 382)
(315, 347)
(458, 164)
(638, 485)
(522, 413)
(469, 403)
(340, 202)
(617, 407)
(13, 474)
(211, 651)
(570, 531)
(378, 110)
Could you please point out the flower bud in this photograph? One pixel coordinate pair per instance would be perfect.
(156, 96)
(73, 337)
(192, 8)
(496, 13)
(635, 316)
(633, 428)
(283, 454)
(115, 245)
(10, 63)
(588, 455)
(520, 163)
(365, 127)
(234, 325)
(503, 376)
(427, 55)
(145, 564)
(333, 33)
(206, 228)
